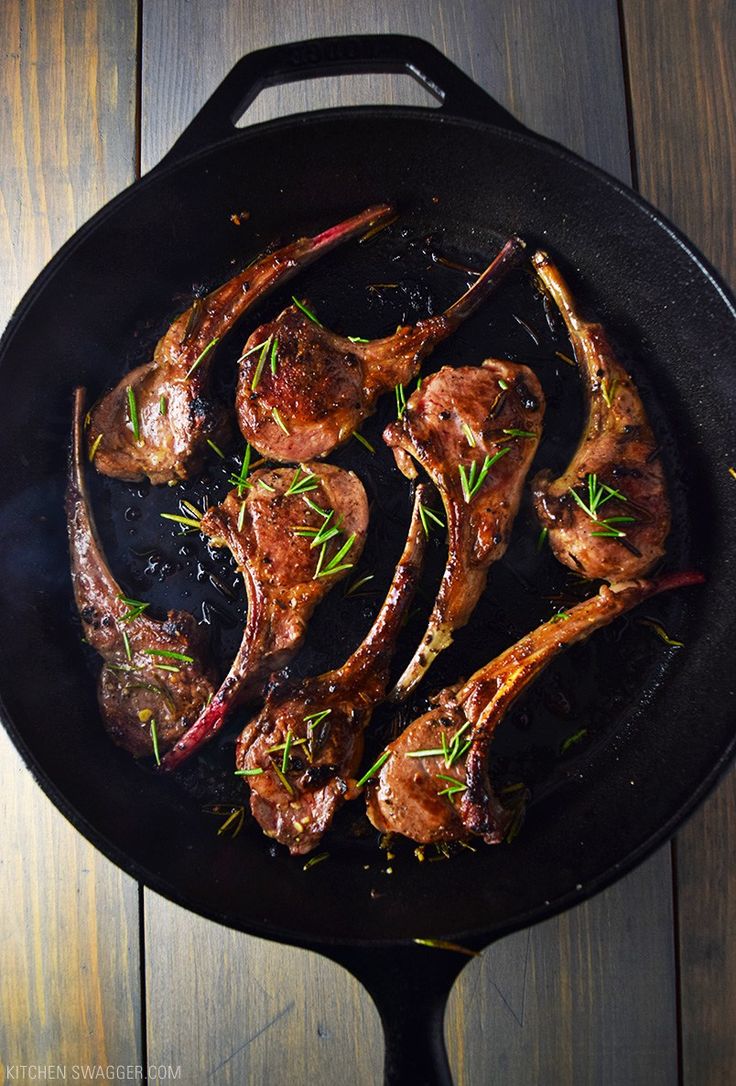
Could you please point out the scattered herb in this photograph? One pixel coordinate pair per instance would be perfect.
(400, 401)
(470, 436)
(162, 405)
(359, 584)
(252, 350)
(565, 358)
(154, 741)
(377, 765)
(126, 642)
(313, 719)
(282, 777)
(133, 413)
(216, 449)
(542, 539)
(560, 616)
(203, 354)
(188, 522)
(300, 484)
(371, 233)
(471, 481)
(260, 363)
(135, 608)
(520, 433)
(249, 772)
(306, 312)
(236, 818)
(661, 633)
(96, 445)
(334, 565)
(426, 515)
(241, 516)
(274, 354)
(453, 788)
(170, 655)
(363, 441)
(317, 508)
(503, 384)
(442, 944)
(598, 495)
(573, 739)
(732, 471)
(358, 339)
(287, 749)
(266, 486)
(278, 420)
(314, 860)
(239, 480)
(608, 393)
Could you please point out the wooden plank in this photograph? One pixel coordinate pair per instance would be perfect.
(589, 1007)
(69, 973)
(683, 83)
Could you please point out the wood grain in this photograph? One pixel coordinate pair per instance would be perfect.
(69, 971)
(588, 1012)
(683, 82)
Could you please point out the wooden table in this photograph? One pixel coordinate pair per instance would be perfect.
(635, 987)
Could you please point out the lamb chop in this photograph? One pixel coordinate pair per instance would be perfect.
(294, 534)
(608, 514)
(319, 386)
(301, 753)
(155, 679)
(475, 431)
(157, 420)
(442, 756)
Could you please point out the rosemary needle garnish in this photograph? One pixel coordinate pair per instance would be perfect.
(96, 445)
(470, 436)
(363, 441)
(133, 413)
(442, 944)
(306, 312)
(573, 739)
(252, 350)
(266, 486)
(241, 516)
(281, 776)
(661, 633)
(565, 358)
(598, 495)
(426, 515)
(189, 522)
(453, 788)
(314, 860)
(287, 749)
(238, 817)
(261, 363)
(472, 480)
(239, 480)
(162, 405)
(203, 354)
(334, 565)
(154, 740)
(400, 401)
(274, 353)
(732, 471)
(608, 393)
(503, 384)
(317, 508)
(278, 420)
(519, 433)
(313, 719)
(353, 588)
(169, 654)
(216, 448)
(378, 764)
(135, 608)
(542, 538)
(302, 483)
(126, 642)
(248, 772)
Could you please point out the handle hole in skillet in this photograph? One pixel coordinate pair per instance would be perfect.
(395, 89)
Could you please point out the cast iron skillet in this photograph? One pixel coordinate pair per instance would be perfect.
(466, 175)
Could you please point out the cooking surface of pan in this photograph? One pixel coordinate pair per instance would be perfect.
(658, 722)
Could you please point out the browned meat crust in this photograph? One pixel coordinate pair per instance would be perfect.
(296, 789)
(156, 678)
(271, 530)
(321, 385)
(608, 514)
(458, 424)
(157, 420)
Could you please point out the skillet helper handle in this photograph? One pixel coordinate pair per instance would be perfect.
(351, 55)
(410, 986)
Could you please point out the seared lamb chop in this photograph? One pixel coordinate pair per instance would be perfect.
(157, 420)
(294, 534)
(434, 785)
(608, 514)
(475, 431)
(155, 679)
(303, 390)
(301, 753)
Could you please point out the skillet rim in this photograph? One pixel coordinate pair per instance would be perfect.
(166, 169)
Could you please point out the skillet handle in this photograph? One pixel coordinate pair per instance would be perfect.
(410, 986)
(361, 53)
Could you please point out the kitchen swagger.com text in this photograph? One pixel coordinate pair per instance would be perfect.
(90, 1072)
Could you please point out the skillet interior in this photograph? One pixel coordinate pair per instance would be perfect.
(659, 723)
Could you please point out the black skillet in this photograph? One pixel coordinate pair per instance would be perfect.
(657, 724)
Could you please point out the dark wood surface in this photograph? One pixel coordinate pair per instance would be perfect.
(637, 986)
